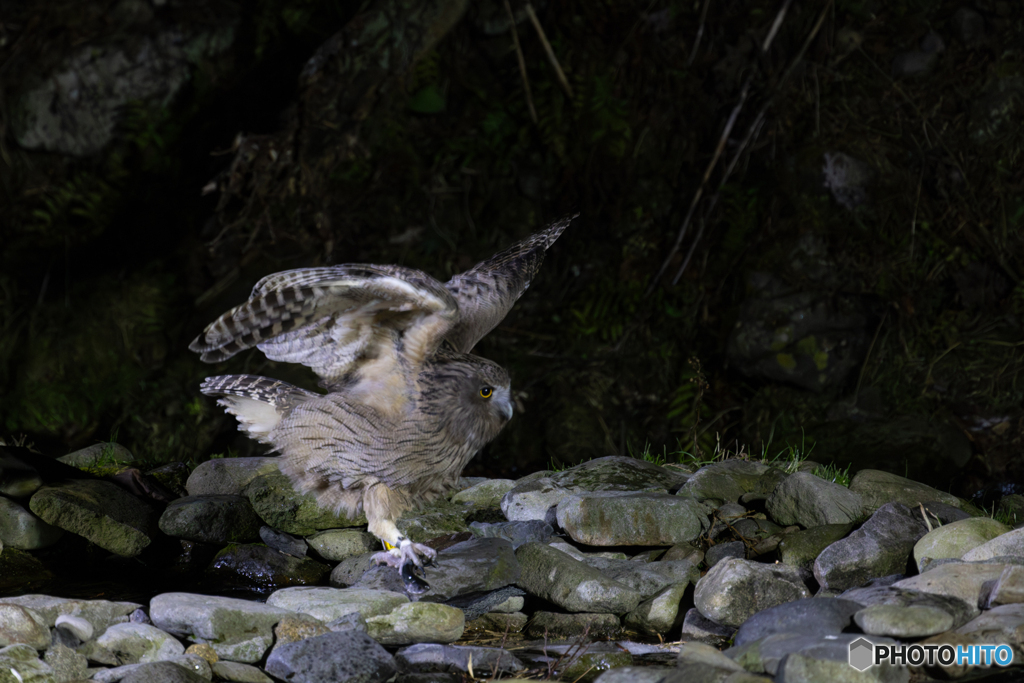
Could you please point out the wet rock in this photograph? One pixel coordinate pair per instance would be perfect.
(66, 664)
(239, 673)
(440, 518)
(497, 622)
(647, 578)
(570, 584)
(487, 493)
(881, 546)
(181, 669)
(957, 580)
(279, 505)
(22, 625)
(953, 540)
(717, 553)
(330, 604)
(727, 480)
(800, 549)
(660, 613)
(20, 529)
(586, 556)
(898, 621)
(76, 628)
(132, 644)
(477, 565)
(257, 567)
(829, 660)
(734, 590)
(683, 552)
(697, 627)
(228, 476)
(517, 533)
(341, 656)
(211, 519)
(507, 599)
(699, 661)
(811, 501)
(23, 662)
(430, 658)
(98, 510)
(100, 614)
(809, 616)
(1008, 543)
(1009, 587)
(614, 518)
(338, 544)
(878, 488)
(417, 622)
(98, 456)
(556, 625)
(239, 630)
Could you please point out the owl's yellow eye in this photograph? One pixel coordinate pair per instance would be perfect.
(486, 392)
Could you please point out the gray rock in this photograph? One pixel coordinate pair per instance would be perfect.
(238, 630)
(685, 552)
(257, 567)
(17, 479)
(23, 625)
(734, 590)
(487, 493)
(473, 605)
(881, 546)
(477, 565)
(330, 604)
(344, 656)
(958, 580)
(800, 549)
(351, 569)
(960, 611)
(211, 519)
(66, 664)
(660, 613)
(77, 627)
(809, 616)
(702, 653)
(717, 553)
(1009, 543)
(98, 510)
(287, 544)
(901, 621)
(811, 501)
(726, 481)
(98, 455)
(182, 669)
(878, 488)
(635, 674)
(348, 622)
(958, 538)
(558, 626)
(1009, 587)
(497, 622)
(239, 673)
(228, 476)
(586, 555)
(440, 518)
(1000, 624)
(570, 584)
(828, 660)
(278, 504)
(20, 529)
(433, 658)
(99, 613)
(132, 644)
(697, 627)
(615, 518)
(22, 662)
(647, 578)
(517, 533)
(417, 622)
(338, 544)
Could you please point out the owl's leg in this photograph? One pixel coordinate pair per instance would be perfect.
(406, 556)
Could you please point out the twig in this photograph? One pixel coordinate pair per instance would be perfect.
(547, 48)
(522, 62)
(700, 33)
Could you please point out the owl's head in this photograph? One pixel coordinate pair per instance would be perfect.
(477, 393)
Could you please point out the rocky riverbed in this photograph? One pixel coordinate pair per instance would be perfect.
(615, 570)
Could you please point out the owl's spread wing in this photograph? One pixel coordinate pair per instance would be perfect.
(337, 319)
(487, 291)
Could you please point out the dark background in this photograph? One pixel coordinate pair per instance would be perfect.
(836, 271)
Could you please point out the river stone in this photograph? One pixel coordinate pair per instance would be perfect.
(417, 622)
(1009, 543)
(330, 604)
(517, 533)
(551, 574)
(697, 627)
(342, 656)
(99, 613)
(440, 518)
(67, 665)
(239, 673)
(901, 621)
(734, 590)
(881, 546)
(132, 644)
(646, 578)
(1002, 624)
(23, 625)
(726, 481)
(337, 544)
(257, 567)
(473, 566)
(211, 519)
(486, 494)
(239, 630)
(958, 580)
(829, 660)
(559, 626)
(878, 488)
(811, 501)
(20, 529)
(98, 455)
(956, 539)
(180, 669)
(228, 476)
(809, 616)
(635, 674)
(587, 557)
(1009, 587)
(660, 613)
(533, 497)
(613, 518)
(278, 504)
(960, 611)
(98, 510)
(800, 549)
(719, 552)
(75, 626)
(498, 622)
(432, 658)
(24, 665)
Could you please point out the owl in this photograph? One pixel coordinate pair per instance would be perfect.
(407, 405)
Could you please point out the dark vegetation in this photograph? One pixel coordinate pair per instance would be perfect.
(111, 263)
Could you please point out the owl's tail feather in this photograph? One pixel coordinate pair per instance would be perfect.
(259, 403)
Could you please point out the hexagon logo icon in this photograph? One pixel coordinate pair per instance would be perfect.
(861, 654)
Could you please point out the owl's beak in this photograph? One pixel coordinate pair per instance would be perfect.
(504, 402)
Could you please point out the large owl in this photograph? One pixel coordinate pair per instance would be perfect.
(407, 406)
